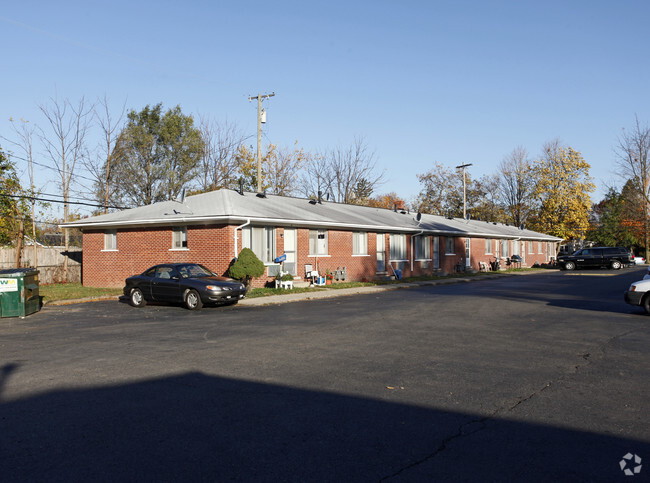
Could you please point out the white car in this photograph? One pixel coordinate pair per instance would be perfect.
(639, 261)
(639, 293)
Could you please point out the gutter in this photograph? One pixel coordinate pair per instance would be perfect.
(295, 223)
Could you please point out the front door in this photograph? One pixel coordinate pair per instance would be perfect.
(468, 261)
(381, 253)
(290, 243)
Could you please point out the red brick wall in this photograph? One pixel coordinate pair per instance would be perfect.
(528, 259)
(140, 248)
(213, 246)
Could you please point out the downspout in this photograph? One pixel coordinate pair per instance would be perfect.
(248, 222)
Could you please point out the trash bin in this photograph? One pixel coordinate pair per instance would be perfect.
(19, 292)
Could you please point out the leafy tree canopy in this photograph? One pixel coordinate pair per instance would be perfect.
(156, 156)
(562, 189)
(11, 208)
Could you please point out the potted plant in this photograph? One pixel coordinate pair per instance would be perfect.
(328, 277)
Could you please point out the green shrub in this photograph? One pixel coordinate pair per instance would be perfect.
(247, 267)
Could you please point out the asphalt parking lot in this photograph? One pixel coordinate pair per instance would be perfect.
(520, 378)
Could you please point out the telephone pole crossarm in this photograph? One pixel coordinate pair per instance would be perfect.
(260, 98)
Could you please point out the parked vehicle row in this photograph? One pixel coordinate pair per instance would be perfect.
(188, 283)
(597, 257)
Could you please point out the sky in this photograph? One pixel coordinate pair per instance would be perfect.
(422, 82)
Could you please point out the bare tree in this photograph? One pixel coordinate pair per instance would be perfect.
(218, 163)
(316, 177)
(281, 167)
(632, 159)
(341, 171)
(516, 185)
(65, 146)
(101, 166)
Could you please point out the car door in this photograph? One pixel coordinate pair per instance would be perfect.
(585, 258)
(145, 281)
(592, 257)
(598, 257)
(165, 285)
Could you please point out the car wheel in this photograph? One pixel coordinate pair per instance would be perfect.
(569, 266)
(137, 298)
(645, 303)
(193, 300)
(616, 265)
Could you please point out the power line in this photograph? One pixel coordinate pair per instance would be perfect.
(94, 205)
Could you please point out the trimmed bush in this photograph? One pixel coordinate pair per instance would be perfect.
(247, 267)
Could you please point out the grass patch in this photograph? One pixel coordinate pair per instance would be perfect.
(71, 291)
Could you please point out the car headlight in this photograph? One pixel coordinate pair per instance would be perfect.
(214, 288)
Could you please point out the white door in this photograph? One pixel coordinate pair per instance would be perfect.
(467, 253)
(290, 243)
(381, 253)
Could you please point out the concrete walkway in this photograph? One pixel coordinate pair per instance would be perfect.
(325, 293)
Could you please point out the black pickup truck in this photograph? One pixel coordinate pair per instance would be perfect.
(597, 257)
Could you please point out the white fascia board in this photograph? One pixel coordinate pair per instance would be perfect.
(282, 222)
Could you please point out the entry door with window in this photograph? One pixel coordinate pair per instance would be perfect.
(290, 243)
(468, 262)
(381, 253)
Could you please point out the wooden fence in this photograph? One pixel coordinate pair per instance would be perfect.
(49, 262)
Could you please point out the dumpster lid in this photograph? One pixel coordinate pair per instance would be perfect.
(18, 272)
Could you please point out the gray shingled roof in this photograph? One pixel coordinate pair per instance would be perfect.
(228, 206)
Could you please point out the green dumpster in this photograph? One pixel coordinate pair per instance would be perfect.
(19, 292)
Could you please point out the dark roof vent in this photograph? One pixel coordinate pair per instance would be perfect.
(261, 195)
(313, 202)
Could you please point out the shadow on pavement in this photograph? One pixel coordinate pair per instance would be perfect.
(581, 290)
(198, 427)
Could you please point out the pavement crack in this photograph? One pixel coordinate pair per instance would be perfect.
(466, 429)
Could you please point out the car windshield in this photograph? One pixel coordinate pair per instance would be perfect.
(194, 270)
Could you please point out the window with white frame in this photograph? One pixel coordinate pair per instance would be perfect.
(179, 237)
(531, 248)
(110, 240)
(359, 243)
(261, 240)
(450, 245)
(488, 246)
(515, 247)
(505, 248)
(318, 242)
(423, 248)
(540, 248)
(397, 246)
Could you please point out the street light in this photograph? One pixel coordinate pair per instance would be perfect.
(464, 189)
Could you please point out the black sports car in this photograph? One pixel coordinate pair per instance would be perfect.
(188, 283)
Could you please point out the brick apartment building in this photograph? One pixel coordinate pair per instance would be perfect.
(369, 243)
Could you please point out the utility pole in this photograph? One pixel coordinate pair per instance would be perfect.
(464, 189)
(259, 98)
